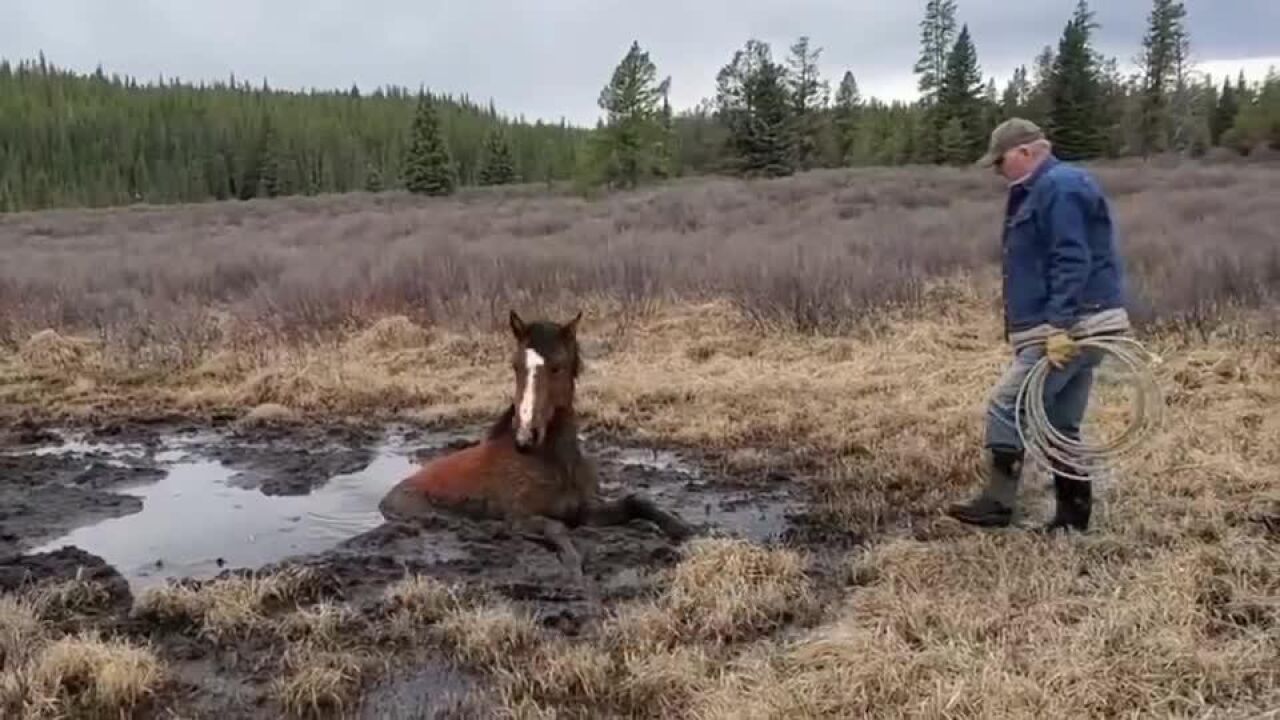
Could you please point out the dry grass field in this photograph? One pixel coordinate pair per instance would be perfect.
(841, 328)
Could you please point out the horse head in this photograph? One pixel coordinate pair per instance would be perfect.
(546, 362)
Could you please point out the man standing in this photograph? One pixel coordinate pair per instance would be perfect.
(1063, 280)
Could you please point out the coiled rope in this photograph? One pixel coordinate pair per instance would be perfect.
(1081, 459)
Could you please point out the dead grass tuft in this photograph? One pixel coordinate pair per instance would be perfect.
(728, 589)
(48, 350)
(395, 332)
(325, 383)
(417, 601)
(21, 631)
(662, 685)
(324, 625)
(586, 680)
(494, 636)
(562, 673)
(86, 676)
(269, 414)
(653, 658)
(228, 607)
(644, 628)
(70, 598)
(425, 598)
(318, 682)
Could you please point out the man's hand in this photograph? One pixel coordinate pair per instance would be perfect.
(1060, 348)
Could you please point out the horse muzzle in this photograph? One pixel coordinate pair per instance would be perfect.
(527, 439)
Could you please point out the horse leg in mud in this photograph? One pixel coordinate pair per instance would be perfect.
(547, 530)
(635, 506)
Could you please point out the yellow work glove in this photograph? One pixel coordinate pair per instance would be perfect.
(1060, 348)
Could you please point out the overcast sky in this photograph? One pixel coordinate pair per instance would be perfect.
(549, 58)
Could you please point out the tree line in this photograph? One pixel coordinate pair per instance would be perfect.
(772, 117)
(71, 139)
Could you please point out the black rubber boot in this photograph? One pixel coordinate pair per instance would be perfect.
(1074, 505)
(994, 506)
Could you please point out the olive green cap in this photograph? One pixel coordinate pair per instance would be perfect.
(1008, 135)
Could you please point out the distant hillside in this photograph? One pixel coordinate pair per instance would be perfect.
(69, 139)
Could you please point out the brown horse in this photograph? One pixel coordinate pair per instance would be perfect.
(529, 468)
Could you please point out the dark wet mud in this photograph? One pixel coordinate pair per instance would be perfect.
(136, 506)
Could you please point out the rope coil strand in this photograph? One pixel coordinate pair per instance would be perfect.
(1082, 460)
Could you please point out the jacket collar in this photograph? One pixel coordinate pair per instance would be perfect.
(1027, 182)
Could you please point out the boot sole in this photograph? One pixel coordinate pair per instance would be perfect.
(982, 521)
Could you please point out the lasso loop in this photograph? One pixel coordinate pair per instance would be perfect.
(1080, 459)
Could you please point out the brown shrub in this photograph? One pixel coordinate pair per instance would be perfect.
(822, 251)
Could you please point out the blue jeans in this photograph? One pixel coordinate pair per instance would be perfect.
(1066, 396)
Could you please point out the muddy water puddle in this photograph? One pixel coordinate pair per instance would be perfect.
(202, 502)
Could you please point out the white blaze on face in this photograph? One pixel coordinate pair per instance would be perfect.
(532, 361)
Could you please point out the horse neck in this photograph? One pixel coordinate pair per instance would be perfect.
(561, 446)
(561, 443)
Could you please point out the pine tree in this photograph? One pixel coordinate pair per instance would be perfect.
(990, 108)
(957, 148)
(1039, 98)
(631, 143)
(498, 168)
(847, 108)
(429, 167)
(1258, 122)
(373, 179)
(770, 141)
(1244, 93)
(1224, 113)
(1075, 119)
(937, 37)
(755, 107)
(809, 94)
(960, 97)
(271, 163)
(1161, 49)
(1016, 94)
(1114, 106)
(1188, 119)
(668, 151)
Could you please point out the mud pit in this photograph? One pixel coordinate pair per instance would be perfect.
(142, 506)
(193, 503)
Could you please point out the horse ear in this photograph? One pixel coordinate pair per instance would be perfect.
(518, 328)
(570, 329)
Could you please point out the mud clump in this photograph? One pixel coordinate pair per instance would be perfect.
(44, 496)
(66, 566)
(294, 461)
(103, 476)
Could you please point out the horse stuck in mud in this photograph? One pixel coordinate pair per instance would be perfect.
(529, 468)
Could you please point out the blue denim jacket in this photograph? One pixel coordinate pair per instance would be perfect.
(1059, 250)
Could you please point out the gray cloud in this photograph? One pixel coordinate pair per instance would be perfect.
(549, 58)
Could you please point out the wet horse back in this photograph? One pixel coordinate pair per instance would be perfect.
(455, 479)
(484, 479)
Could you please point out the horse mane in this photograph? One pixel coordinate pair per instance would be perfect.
(502, 426)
